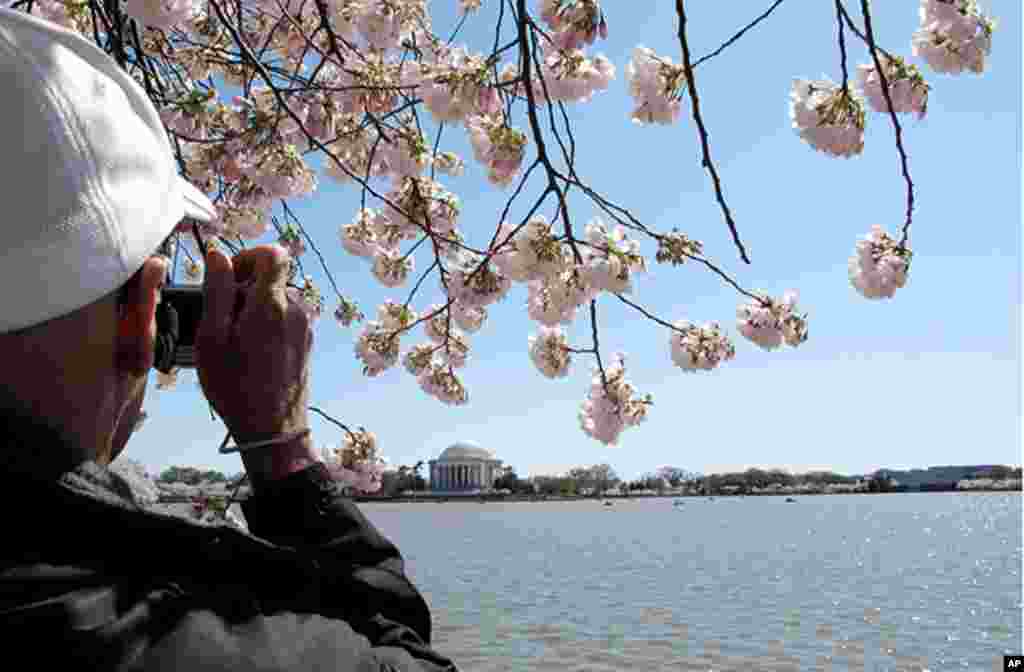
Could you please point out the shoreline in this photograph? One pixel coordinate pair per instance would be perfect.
(489, 498)
(441, 499)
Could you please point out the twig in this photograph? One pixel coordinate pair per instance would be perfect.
(330, 419)
(856, 31)
(419, 282)
(691, 86)
(323, 263)
(732, 40)
(646, 314)
(866, 10)
(842, 46)
(597, 346)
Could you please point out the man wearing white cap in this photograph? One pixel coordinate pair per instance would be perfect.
(87, 576)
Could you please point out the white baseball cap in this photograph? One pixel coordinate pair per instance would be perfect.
(91, 188)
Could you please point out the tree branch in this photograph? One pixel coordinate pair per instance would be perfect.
(866, 10)
(732, 40)
(691, 87)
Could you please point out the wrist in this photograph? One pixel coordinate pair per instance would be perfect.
(274, 462)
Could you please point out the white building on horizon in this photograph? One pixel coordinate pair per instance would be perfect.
(464, 466)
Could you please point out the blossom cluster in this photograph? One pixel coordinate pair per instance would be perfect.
(612, 258)
(828, 117)
(879, 266)
(576, 22)
(907, 88)
(611, 408)
(357, 463)
(378, 345)
(954, 36)
(565, 75)
(500, 148)
(163, 14)
(699, 347)
(768, 322)
(655, 83)
(433, 364)
(549, 352)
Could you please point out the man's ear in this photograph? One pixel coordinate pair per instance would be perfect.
(136, 322)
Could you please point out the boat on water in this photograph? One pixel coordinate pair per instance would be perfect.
(677, 502)
(607, 503)
(790, 499)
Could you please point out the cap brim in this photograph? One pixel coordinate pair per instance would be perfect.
(197, 205)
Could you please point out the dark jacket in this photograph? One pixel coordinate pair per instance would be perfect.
(91, 581)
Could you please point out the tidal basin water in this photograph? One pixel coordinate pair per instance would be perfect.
(856, 582)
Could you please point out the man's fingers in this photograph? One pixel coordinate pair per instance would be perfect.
(218, 296)
(267, 266)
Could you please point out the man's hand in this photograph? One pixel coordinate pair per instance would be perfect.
(252, 348)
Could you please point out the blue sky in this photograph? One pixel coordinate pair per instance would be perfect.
(931, 377)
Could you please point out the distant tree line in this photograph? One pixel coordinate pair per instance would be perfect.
(601, 479)
(191, 476)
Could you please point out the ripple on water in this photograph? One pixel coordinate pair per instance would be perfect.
(745, 589)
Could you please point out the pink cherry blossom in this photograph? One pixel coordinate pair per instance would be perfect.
(163, 14)
(954, 36)
(498, 147)
(699, 347)
(879, 266)
(376, 349)
(769, 323)
(827, 117)
(907, 88)
(607, 411)
(655, 83)
(549, 352)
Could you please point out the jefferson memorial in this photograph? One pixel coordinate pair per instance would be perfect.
(464, 467)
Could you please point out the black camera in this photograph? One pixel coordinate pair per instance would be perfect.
(177, 321)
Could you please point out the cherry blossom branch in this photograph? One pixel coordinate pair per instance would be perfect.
(646, 314)
(515, 194)
(722, 274)
(732, 40)
(866, 10)
(842, 46)
(255, 46)
(527, 56)
(419, 282)
(527, 52)
(313, 246)
(327, 417)
(258, 66)
(611, 209)
(691, 87)
(597, 345)
(856, 31)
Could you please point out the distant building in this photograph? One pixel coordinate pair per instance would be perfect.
(464, 467)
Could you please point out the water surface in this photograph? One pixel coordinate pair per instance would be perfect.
(875, 582)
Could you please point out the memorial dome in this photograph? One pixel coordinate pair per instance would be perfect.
(465, 450)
